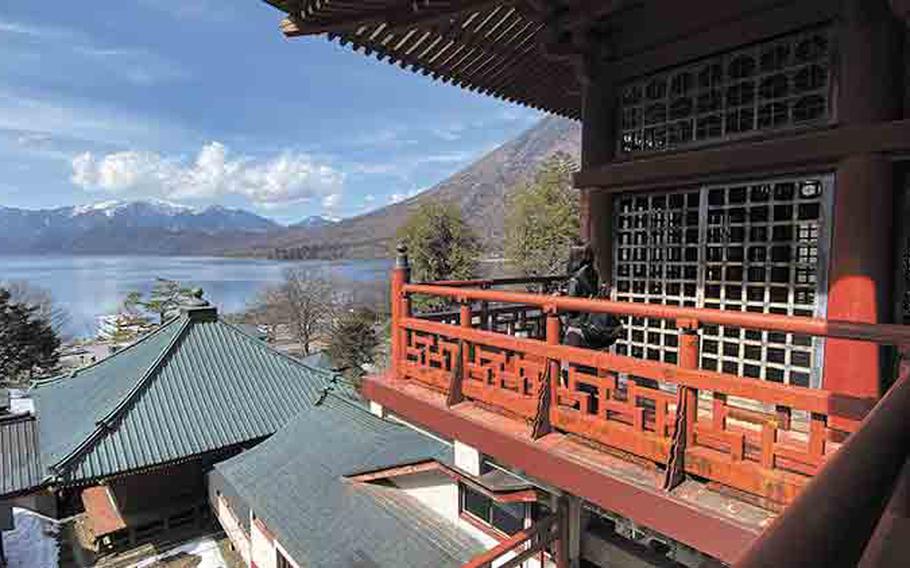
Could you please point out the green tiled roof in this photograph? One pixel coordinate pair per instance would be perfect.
(195, 385)
(295, 483)
(19, 467)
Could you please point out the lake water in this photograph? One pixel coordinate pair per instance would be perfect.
(92, 286)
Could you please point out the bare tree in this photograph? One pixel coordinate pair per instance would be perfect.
(303, 305)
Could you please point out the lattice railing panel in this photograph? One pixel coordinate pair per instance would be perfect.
(508, 380)
(430, 359)
(758, 452)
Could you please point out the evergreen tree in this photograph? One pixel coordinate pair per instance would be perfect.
(353, 341)
(166, 296)
(28, 343)
(542, 223)
(441, 245)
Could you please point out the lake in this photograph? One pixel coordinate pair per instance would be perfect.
(92, 286)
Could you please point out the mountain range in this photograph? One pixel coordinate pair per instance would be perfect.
(480, 190)
(159, 227)
(138, 227)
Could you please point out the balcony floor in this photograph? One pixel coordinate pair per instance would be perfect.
(715, 523)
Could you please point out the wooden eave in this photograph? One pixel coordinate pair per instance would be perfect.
(491, 47)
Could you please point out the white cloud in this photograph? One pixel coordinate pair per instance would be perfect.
(450, 133)
(75, 119)
(71, 52)
(137, 66)
(284, 179)
(37, 32)
(446, 157)
(331, 201)
(369, 198)
(396, 197)
(206, 10)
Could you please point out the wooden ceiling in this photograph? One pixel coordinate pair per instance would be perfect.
(492, 47)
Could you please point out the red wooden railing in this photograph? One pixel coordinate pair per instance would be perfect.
(855, 512)
(761, 437)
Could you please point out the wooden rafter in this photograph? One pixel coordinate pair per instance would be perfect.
(486, 46)
(402, 17)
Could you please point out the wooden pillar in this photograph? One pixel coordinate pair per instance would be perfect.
(860, 275)
(598, 148)
(869, 71)
(905, 64)
(562, 545)
(573, 530)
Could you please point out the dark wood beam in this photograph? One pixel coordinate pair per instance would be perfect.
(804, 152)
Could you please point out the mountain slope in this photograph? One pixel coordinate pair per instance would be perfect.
(139, 227)
(480, 190)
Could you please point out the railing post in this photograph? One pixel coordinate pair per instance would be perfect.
(546, 397)
(455, 394)
(399, 307)
(686, 406)
(484, 310)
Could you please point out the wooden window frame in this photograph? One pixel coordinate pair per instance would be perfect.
(484, 525)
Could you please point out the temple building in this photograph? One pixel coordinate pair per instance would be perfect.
(744, 184)
(126, 442)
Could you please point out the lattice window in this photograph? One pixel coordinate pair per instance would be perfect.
(757, 247)
(762, 255)
(657, 261)
(770, 85)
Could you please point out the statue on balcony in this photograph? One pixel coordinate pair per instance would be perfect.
(582, 329)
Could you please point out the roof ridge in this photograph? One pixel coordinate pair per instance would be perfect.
(103, 424)
(38, 383)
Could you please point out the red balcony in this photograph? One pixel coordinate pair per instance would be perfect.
(494, 374)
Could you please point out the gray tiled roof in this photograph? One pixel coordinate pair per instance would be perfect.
(195, 385)
(295, 483)
(20, 468)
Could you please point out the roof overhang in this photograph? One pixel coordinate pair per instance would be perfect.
(517, 50)
(101, 510)
(497, 484)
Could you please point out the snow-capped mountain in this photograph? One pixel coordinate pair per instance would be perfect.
(314, 221)
(127, 227)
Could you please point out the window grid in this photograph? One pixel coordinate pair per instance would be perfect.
(756, 246)
(506, 518)
(771, 85)
(657, 259)
(762, 256)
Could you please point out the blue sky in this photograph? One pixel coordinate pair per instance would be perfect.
(204, 102)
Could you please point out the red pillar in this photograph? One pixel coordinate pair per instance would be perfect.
(860, 275)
